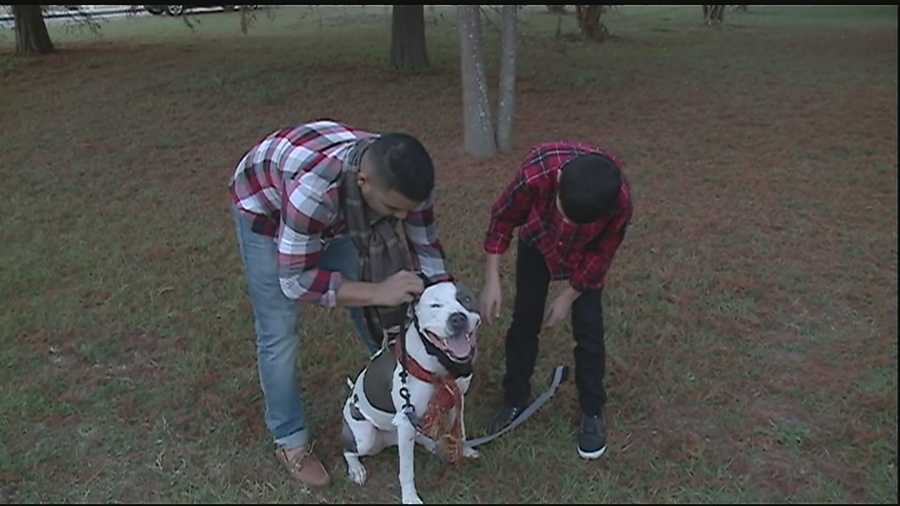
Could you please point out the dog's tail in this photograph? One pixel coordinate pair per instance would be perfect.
(349, 384)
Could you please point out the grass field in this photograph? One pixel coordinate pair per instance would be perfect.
(751, 312)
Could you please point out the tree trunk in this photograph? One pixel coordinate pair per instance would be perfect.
(408, 50)
(479, 132)
(506, 105)
(589, 21)
(31, 31)
(718, 13)
(713, 13)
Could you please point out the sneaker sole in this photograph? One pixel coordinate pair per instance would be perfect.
(591, 455)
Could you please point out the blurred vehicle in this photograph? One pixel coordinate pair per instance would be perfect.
(178, 10)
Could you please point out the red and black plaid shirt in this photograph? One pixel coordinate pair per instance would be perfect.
(580, 253)
(289, 184)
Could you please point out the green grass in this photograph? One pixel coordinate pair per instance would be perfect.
(750, 314)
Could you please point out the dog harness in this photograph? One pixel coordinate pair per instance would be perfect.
(442, 421)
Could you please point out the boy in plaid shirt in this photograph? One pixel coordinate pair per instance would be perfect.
(572, 205)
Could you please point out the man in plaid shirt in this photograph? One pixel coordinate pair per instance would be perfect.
(290, 213)
(572, 205)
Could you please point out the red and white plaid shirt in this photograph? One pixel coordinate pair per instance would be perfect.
(580, 253)
(289, 184)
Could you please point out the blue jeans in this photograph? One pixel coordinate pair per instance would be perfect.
(275, 319)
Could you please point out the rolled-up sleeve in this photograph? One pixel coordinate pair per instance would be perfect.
(509, 211)
(306, 215)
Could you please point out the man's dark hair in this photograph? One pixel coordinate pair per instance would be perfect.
(403, 165)
(589, 188)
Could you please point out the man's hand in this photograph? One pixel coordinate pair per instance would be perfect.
(559, 309)
(491, 299)
(401, 287)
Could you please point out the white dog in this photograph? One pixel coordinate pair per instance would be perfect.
(440, 349)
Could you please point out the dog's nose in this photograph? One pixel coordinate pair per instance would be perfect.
(458, 322)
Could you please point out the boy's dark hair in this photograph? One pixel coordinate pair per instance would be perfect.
(403, 165)
(589, 188)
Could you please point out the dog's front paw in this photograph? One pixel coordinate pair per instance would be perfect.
(412, 499)
(357, 474)
(356, 471)
(471, 453)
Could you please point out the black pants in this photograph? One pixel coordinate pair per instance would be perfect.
(532, 282)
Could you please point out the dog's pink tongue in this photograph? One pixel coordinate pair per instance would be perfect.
(459, 346)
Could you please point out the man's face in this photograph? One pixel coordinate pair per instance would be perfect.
(381, 200)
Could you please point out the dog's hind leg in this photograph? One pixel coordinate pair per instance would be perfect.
(356, 471)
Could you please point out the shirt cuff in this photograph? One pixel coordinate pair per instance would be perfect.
(329, 298)
(583, 285)
(496, 245)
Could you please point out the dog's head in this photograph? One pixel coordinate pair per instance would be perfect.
(448, 318)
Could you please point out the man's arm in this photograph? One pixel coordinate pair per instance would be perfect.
(422, 234)
(399, 288)
(305, 216)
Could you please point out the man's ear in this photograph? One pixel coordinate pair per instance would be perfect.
(366, 175)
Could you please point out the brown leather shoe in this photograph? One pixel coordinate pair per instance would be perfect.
(304, 466)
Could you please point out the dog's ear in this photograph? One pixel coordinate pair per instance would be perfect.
(425, 281)
(428, 281)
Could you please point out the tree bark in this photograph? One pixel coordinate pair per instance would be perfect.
(408, 50)
(31, 31)
(589, 21)
(479, 132)
(718, 13)
(713, 13)
(506, 104)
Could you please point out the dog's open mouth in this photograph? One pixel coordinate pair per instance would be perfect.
(458, 349)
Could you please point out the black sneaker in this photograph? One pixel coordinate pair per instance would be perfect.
(592, 436)
(504, 418)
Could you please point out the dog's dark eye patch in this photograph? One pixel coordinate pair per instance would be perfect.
(465, 297)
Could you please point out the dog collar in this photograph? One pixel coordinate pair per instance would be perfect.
(416, 369)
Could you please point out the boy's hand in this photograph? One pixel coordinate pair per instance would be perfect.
(401, 287)
(560, 307)
(491, 299)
